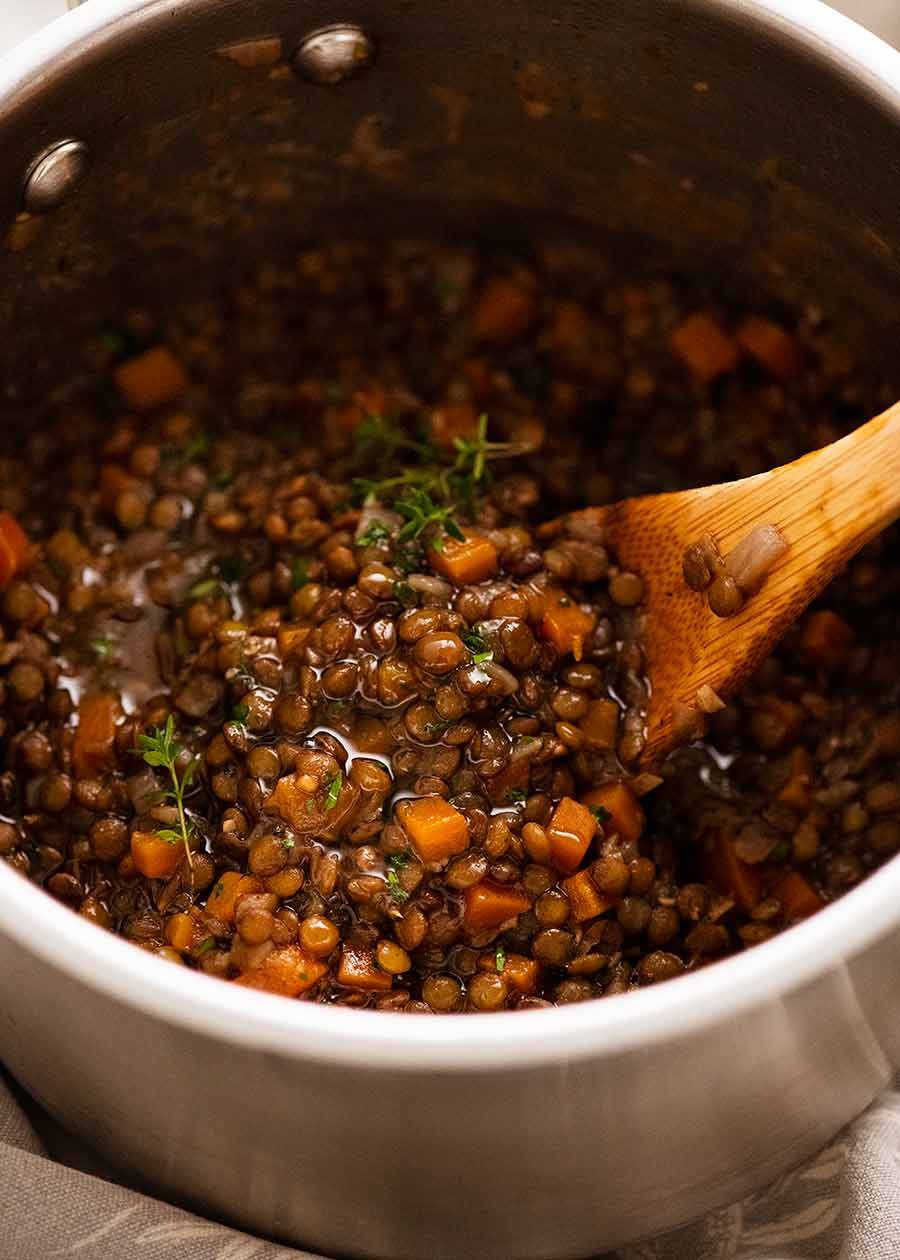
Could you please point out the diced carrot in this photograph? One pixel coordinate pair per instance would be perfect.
(826, 638)
(774, 349)
(455, 420)
(357, 970)
(521, 973)
(489, 904)
(93, 751)
(564, 624)
(704, 347)
(729, 875)
(514, 777)
(288, 971)
(151, 379)
(14, 547)
(436, 829)
(797, 792)
(221, 902)
(797, 896)
(504, 310)
(775, 723)
(114, 480)
(154, 857)
(372, 398)
(626, 818)
(600, 725)
(465, 562)
(570, 832)
(291, 639)
(478, 375)
(371, 735)
(569, 332)
(180, 932)
(585, 898)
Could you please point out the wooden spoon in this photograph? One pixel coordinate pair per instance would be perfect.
(827, 505)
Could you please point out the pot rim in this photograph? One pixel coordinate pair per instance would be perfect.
(513, 1040)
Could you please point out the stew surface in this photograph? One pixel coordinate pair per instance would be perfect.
(297, 692)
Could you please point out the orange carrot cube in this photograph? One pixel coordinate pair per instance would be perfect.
(797, 896)
(774, 349)
(357, 970)
(488, 905)
(617, 810)
(521, 973)
(455, 420)
(14, 547)
(437, 830)
(570, 832)
(504, 310)
(729, 875)
(585, 898)
(704, 347)
(826, 639)
(180, 932)
(155, 857)
(222, 901)
(465, 562)
(564, 624)
(288, 971)
(93, 748)
(151, 379)
(797, 792)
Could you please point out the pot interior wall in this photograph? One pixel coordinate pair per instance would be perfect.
(671, 134)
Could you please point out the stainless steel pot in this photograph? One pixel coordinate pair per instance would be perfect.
(756, 140)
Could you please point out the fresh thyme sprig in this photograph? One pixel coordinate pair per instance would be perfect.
(430, 494)
(159, 748)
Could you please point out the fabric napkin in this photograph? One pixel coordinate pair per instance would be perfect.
(59, 1200)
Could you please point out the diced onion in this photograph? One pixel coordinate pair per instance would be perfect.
(750, 561)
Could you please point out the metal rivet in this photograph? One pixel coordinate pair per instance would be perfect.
(333, 53)
(55, 175)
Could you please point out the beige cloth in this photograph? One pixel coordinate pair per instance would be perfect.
(58, 1201)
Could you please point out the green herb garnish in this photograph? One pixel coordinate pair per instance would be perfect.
(782, 851)
(102, 646)
(310, 805)
(515, 796)
(395, 864)
(432, 492)
(160, 749)
(334, 790)
(239, 713)
(287, 842)
(376, 533)
(601, 813)
(200, 590)
(380, 438)
(420, 512)
(196, 448)
(478, 646)
(222, 479)
(205, 946)
(500, 958)
(299, 572)
(404, 593)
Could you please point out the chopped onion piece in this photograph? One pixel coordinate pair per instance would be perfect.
(433, 587)
(503, 676)
(750, 561)
(708, 700)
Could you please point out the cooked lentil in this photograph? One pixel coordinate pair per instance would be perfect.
(405, 730)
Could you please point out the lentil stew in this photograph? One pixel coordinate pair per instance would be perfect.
(293, 693)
